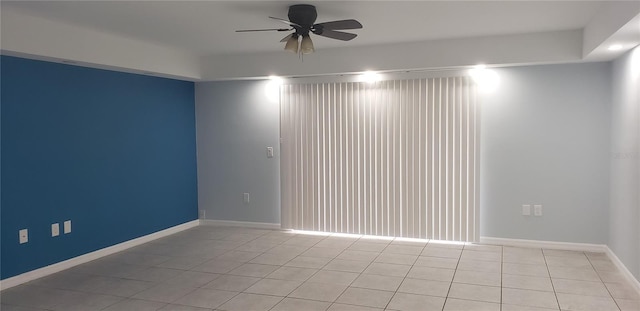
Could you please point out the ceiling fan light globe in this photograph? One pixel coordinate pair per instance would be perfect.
(292, 44)
(306, 46)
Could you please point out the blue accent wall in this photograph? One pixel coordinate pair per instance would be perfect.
(113, 152)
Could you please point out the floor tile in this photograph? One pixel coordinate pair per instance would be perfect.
(379, 282)
(250, 302)
(172, 307)
(365, 297)
(400, 259)
(563, 253)
(483, 248)
(292, 273)
(322, 252)
(206, 298)
(622, 290)
(627, 304)
(358, 255)
(273, 287)
(475, 292)
(318, 291)
(484, 256)
(525, 269)
(530, 259)
(572, 302)
(412, 302)
(308, 262)
(527, 282)
(345, 307)
(575, 262)
(582, 274)
(164, 293)
(334, 277)
(234, 283)
(507, 307)
(434, 274)
(254, 270)
(437, 262)
(217, 266)
(192, 279)
(238, 256)
(387, 269)
(424, 287)
(86, 301)
(294, 304)
(183, 263)
(6, 307)
(477, 277)
(404, 249)
(367, 246)
(272, 259)
(346, 265)
(117, 286)
(441, 252)
(586, 288)
(470, 305)
(136, 305)
(481, 266)
(531, 298)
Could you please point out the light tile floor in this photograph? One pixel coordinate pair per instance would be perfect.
(241, 269)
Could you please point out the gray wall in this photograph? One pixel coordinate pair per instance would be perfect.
(235, 123)
(545, 140)
(624, 237)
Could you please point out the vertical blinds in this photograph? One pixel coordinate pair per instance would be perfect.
(393, 158)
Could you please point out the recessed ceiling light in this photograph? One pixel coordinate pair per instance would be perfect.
(615, 47)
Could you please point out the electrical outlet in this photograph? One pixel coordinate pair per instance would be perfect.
(537, 210)
(67, 226)
(526, 210)
(203, 214)
(245, 197)
(23, 236)
(55, 229)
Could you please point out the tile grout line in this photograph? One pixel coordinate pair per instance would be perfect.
(405, 276)
(550, 279)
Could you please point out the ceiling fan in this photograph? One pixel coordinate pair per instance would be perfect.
(301, 20)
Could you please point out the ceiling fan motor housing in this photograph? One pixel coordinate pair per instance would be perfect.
(304, 15)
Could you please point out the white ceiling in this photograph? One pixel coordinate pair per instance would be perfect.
(196, 40)
(207, 27)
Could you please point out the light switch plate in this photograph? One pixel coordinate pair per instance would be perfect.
(67, 226)
(526, 210)
(245, 197)
(269, 152)
(55, 229)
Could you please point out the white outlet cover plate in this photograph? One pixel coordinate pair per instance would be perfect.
(23, 236)
(537, 210)
(67, 226)
(55, 229)
(526, 210)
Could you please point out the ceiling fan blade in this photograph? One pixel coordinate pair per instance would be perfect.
(339, 25)
(284, 21)
(272, 29)
(339, 35)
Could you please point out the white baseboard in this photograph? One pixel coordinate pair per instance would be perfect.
(69, 263)
(623, 269)
(584, 247)
(246, 224)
